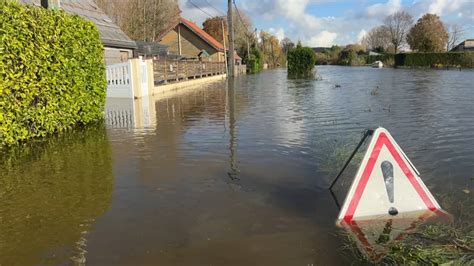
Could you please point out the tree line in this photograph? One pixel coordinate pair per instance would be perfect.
(428, 34)
(248, 41)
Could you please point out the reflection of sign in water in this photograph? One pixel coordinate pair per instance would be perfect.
(386, 183)
(374, 238)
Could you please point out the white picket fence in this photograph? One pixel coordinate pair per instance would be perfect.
(120, 80)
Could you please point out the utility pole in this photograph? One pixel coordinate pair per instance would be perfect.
(231, 38)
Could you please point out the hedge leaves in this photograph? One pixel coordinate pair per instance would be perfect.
(301, 62)
(51, 71)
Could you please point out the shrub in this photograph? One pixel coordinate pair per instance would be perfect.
(51, 70)
(301, 61)
(435, 59)
(255, 63)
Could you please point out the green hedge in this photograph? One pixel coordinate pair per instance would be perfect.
(255, 62)
(51, 70)
(301, 61)
(435, 59)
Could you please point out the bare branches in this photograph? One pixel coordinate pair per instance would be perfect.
(377, 39)
(455, 35)
(141, 19)
(398, 25)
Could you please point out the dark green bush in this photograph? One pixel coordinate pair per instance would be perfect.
(435, 59)
(52, 72)
(255, 62)
(301, 61)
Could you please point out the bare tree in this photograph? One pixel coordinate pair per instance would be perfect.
(455, 35)
(286, 45)
(377, 39)
(142, 19)
(398, 25)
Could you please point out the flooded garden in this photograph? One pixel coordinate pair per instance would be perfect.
(235, 173)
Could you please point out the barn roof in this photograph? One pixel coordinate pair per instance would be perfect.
(110, 33)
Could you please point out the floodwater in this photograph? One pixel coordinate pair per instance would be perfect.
(228, 174)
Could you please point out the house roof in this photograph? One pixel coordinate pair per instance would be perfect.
(469, 43)
(110, 33)
(201, 33)
(198, 31)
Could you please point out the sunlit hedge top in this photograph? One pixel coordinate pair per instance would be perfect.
(301, 61)
(51, 71)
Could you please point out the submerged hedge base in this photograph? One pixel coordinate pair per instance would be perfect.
(465, 59)
(459, 59)
(52, 72)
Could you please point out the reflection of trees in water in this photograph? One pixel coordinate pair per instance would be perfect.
(51, 191)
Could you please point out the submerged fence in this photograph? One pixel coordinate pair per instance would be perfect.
(165, 71)
(119, 80)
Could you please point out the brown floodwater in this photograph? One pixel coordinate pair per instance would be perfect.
(228, 173)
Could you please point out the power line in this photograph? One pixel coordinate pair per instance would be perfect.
(240, 17)
(216, 9)
(192, 3)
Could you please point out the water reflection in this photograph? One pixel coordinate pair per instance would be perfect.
(130, 113)
(237, 174)
(233, 174)
(375, 238)
(50, 193)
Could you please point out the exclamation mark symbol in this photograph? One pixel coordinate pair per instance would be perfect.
(387, 171)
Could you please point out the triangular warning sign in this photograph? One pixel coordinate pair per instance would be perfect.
(385, 183)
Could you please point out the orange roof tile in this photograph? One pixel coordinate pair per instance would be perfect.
(204, 35)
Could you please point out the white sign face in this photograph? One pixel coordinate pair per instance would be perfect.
(386, 183)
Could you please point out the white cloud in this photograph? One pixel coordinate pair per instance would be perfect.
(439, 7)
(361, 35)
(323, 39)
(383, 10)
(279, 33)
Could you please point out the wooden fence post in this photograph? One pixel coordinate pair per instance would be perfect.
(185, 70)
(177, 70)
(165, 74)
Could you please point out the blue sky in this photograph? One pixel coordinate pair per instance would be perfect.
(328, 22)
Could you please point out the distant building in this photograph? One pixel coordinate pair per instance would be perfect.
(118, 47)
(187, 40)
(467, 45)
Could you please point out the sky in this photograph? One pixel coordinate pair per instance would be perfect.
(327, 22)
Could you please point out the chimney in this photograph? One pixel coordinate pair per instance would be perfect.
(54, 4)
